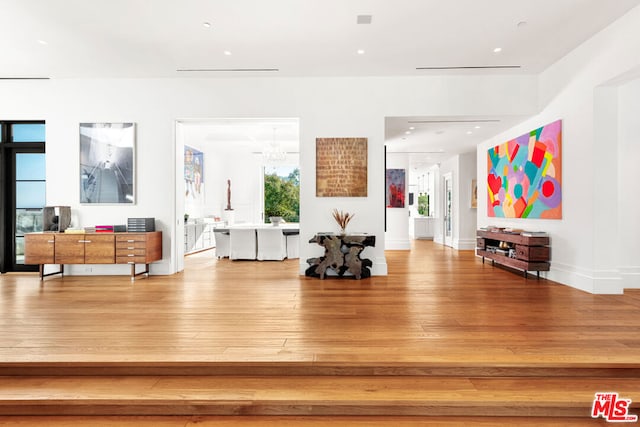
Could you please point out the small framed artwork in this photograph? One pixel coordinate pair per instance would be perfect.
(474, 193)
(395, 188)
(107, 163)
(194, 177)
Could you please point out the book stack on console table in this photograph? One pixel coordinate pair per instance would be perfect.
(527, 251)
(104, 228)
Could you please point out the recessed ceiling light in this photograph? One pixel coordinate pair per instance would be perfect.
(477, 127)
(469, 132)
(497, 50)
(42, 42)
(412, 128)
(408, 132)
(206, 24)
(360, 51)
(227, 52)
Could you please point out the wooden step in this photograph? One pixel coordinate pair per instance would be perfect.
(292, 421)
(445, 369)
(308, 395)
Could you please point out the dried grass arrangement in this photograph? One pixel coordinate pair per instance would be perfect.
(342, 218)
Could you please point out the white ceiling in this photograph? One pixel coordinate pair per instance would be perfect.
(432, 140)
(157, 38)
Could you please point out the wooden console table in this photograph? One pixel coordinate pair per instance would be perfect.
(528, 253)
(93, 248)
(342, 255)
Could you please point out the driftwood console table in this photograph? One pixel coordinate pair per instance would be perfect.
(341, 255)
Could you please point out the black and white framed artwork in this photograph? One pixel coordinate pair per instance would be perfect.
(107, 163)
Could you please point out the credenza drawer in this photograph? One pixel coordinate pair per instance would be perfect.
(131, 252)
(129, 246)
(130, 238)
(133, 259)
(533, 253)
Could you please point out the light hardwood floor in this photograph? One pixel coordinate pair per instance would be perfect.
(442, 340)
(436, 307)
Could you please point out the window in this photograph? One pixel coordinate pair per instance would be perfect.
(27, 132)
(22, 165)
(282, 193)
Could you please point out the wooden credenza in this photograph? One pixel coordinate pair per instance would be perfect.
(527, 253)
(93, 248)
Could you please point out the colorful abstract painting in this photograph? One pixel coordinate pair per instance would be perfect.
(395, 188)
(524, 177)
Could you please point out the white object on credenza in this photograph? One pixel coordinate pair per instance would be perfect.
(423, 227)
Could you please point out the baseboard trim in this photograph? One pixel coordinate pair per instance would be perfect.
(608, 282)
(630, 277)
(397, 244)
(464, 244)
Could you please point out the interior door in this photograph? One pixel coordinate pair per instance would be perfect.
(448, 210)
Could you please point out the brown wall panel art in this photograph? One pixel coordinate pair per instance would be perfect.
(341, 167)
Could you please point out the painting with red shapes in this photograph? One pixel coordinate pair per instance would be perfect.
(524, 178)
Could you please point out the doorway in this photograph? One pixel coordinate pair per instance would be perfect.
(233, 154)
(448, 209)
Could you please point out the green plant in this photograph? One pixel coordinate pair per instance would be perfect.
(282, 196)
(423, 204)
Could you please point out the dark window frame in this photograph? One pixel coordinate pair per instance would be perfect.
(8, 150)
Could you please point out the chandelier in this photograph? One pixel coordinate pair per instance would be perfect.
(272, 152)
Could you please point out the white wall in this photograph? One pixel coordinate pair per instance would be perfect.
(466, 219)
(216, 177)
(578, 90)
(245, 173)
(629, 205)
(397, 234)
(327, 107)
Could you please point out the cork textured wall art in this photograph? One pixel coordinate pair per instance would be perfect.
(341, 167)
